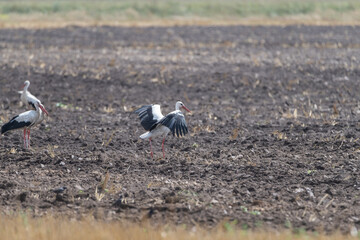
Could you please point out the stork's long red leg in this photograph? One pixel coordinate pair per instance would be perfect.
(162, 145)
(28, 138)
(25, 138)
(151, 149)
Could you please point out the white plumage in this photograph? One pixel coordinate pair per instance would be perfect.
(156, 111)
(27, 98)
(28, 116)
(158, 131)
(158, 125)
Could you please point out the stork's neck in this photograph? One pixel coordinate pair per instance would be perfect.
(38, 110)
(177, 107)
(26, 86)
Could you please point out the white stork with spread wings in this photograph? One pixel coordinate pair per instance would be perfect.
(157, 125)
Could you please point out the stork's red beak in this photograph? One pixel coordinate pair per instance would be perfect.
(186, 108)
(22, 86)
(44, 110)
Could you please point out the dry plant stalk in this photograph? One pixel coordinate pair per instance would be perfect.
(51, 151)
(109, 109)
(99, 195)
(109, 140)
(12, 151)
(106, 179)
(335, 111)
(279, 135)
(234, 134)
(290, 114)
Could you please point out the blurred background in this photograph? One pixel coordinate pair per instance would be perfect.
(55, 13)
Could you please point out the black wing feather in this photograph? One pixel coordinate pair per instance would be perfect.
(13, 124)
(176, 123)
(184, 129)
(32, 104)
(146, 117)
(177, 130)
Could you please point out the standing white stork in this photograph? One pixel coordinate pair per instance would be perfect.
(157, 125)
(27, 98)
(30, 100)
(25, 121)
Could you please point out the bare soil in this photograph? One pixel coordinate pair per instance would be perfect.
(274, 128)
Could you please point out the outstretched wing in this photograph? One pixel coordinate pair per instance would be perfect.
(176, 123)
(149, 115)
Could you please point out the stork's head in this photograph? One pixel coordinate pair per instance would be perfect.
(180, 105)
(26, 85)
(42, 108)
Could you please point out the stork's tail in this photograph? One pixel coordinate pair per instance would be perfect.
(7, 127)
(145, 135)
(4, 128)
(20, 92)
(12, 125)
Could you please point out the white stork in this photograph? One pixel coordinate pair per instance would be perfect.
(157, 125)
(25, 121)
(27, 98)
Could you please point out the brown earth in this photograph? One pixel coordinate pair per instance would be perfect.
(274, 132)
